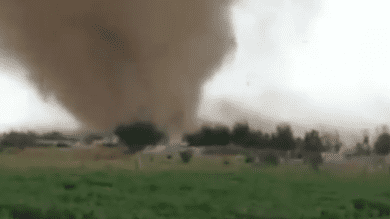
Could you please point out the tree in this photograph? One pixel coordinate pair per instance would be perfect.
(256, 139)
(208, 136)
(312, 149)
(366, 139)
(193, 139)
(363, 148)
(221, 135)
(138, 135)
(379, 130)
(299, 147)
(240, 134)
(17, 139)
(313, 142)
(267, 140)
(89, 139)
(284, 138)
(382, 144)
(360, 150)
(315, 160)
(338, 144)
(33, 135)
(331, 141)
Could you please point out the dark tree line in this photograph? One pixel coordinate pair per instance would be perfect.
(138, 135)
(16, 139)
(381, 145)
(207, 136)
(242, 135)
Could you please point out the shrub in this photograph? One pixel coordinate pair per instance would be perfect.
(63, 145)
(169, 157)
(110, 145)
(240, 133)
(186, 156)
(226, 162)
(249, 160)
(271, 159)
(382, 144)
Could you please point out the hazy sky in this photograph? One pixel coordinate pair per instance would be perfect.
(297, 60)
(310, 63)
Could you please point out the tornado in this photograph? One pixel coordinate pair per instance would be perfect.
(112, 62)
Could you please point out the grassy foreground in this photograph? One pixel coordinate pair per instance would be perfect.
(204, 188)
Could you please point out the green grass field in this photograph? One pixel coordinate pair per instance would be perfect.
(203, 188)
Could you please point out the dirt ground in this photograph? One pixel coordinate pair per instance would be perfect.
(81, 154)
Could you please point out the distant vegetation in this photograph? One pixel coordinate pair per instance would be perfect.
(382, 145)
(138, 135)
(309, 148)
(186, 156)
(15, 139)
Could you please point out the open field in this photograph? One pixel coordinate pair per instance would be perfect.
(73, 185)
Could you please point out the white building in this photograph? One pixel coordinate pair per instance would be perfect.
(112, 139)
(154, 149)
(331, 157)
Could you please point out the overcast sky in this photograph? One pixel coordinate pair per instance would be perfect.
(310, 63)
(300, 61)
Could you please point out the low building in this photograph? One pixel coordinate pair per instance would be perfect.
(331, 157)
(158, 149)
(53, 143)
(111, 140)
(348, 152)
